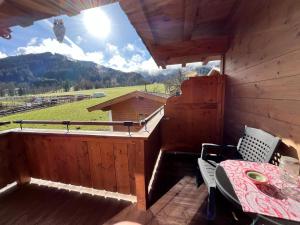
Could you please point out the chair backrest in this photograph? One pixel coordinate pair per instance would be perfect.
(257, 145)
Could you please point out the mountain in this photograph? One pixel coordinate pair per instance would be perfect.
(52, 70)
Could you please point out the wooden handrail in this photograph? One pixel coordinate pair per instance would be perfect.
(67, 122)
(92, 123)
(147, 119)
(2, 123)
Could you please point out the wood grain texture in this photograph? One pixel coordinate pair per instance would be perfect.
(196, 116)
(100, 163)
(7, 172)
(180, 31)
(263, 71)
(114, 162)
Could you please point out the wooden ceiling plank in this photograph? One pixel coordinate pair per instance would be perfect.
(136, 13)
(190, 14)
(208, 46)
(191, 59)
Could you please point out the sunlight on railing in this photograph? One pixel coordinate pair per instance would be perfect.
(80, 189)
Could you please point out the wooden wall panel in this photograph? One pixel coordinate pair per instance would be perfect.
(122, 170)
(101, 163)
(196, 116)
(95, 159)
(121, 164)
(108, 165)
(263, 68)
(7, 173)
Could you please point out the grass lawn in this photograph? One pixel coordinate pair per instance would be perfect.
(76, 111)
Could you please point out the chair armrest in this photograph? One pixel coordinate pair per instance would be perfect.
(210, 150)
(218, 151)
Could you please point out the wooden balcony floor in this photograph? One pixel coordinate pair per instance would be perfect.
(183, 204)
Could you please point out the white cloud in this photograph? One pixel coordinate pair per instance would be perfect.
(78, 40)
(137, 58)
(136, 63)
(112, 49)
(70, 50)
(129, 47)
(2, 55)
(132, 48)
(33, 41)
(118, 62)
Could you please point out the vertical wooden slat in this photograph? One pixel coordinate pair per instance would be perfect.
(7, 171)
(30, 154)
(71, 162)
(121, 165)
(60, 161)
(52, 151)
(140, 179)
(43, 158)
(95, 164)
(108, 166)
(18, 158)
(131, 166)
(83, 164)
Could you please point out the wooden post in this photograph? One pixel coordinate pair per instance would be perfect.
(222, 65)
(140, 177)
(18, 159)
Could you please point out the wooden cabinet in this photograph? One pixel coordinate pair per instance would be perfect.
(196, 116)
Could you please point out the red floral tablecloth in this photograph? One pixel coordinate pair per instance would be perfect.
(266, 199)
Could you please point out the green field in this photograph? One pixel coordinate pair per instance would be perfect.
(76, 111)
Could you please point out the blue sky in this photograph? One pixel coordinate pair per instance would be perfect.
(121, 49)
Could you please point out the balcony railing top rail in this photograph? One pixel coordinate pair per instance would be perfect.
(3, 123)
(68, 123)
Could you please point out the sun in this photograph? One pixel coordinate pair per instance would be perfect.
(97, 22)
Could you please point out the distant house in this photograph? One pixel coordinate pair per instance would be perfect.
(98, 95)
(133, 106)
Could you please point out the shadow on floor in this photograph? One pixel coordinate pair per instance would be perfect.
(33, 204)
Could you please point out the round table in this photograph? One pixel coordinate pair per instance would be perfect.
(226, 189)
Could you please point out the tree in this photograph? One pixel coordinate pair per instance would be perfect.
(66, 85)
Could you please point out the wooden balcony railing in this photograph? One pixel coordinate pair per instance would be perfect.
(112, 161)
(3, 123)
(69, 123)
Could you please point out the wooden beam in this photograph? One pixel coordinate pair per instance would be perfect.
(205, 61)
(137, 16)
(25, 12)
(135, 11)
(190, 14)
(190, 51)
(190, 59)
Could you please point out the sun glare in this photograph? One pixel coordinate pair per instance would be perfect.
(96, 22)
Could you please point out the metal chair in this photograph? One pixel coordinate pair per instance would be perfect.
(255, 145)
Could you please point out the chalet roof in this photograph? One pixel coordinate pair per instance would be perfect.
(182, 31)
(105, 106)
(174, 31)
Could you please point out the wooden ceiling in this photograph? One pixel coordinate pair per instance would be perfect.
(174, 31)
(181, 31)
(25, 12)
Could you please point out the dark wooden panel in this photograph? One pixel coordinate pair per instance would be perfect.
(281, 110)
(283, 66)
(264, 74)
(196, 116)
(72, 166)
(95, 164)
(131, 166)
(108, 166)
(7, 173)
(121, 165)
(83, 164)
(281, 88)
(263, 38)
